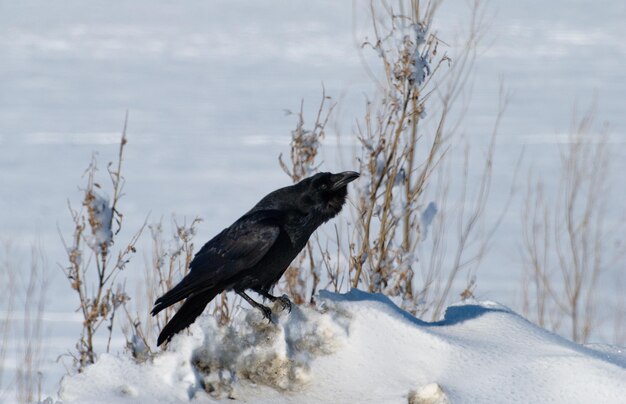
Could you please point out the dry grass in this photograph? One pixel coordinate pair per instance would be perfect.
(461, 233)
(91, 255)
(392, 181)
(168, 263)
(24, 293)
(402, 155)
(566, 239)
(8, 290)
(28, 375)
(619, 318)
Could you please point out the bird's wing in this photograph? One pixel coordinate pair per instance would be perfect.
(241, 245)
(236, 248)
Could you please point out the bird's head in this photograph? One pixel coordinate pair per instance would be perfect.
(324, 193)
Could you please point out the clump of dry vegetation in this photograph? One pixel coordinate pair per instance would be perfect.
(93, 259)
(168, 263)
(404, 185)
(8, 290)
(22, 299)
(568, 246)
(28, 374)
(402, 153)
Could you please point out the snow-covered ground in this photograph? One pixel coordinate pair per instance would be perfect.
(206, 85)
(361, 348)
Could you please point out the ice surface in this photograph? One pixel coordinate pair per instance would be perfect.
(360, 347)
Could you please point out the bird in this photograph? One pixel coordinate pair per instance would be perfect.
(255, 251)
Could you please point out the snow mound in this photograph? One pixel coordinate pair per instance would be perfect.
(360, 347)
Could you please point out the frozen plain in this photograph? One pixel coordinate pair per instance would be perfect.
(206, 86)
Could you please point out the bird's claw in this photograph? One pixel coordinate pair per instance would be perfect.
(285, 303)
(267, 313)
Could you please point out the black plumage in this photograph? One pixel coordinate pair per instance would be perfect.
(254, 252)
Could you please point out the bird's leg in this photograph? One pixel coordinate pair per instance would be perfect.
(267, 312)
(283, 300)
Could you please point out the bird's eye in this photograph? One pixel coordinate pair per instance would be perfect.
(324, 186)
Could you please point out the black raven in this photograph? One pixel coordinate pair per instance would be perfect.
(254, 252)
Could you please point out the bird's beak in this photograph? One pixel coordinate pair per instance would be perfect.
(343, 179)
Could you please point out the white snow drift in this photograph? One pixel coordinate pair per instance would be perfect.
(360, 347)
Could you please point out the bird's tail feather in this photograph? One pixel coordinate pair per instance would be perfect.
(175, 295)
(187, 314)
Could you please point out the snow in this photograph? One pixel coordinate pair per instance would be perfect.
(101, 216)
(429, 394)
(360, 347)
